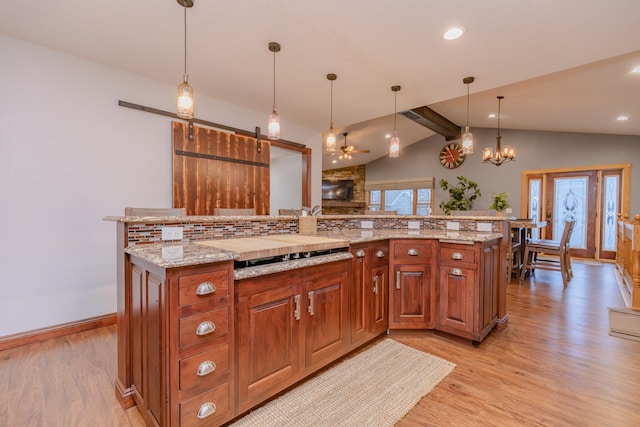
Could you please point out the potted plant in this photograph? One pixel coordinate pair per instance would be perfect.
(500, 202)
(461, 196)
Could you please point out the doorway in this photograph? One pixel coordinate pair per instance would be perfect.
(593, 197)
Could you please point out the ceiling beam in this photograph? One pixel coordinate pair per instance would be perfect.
(434, 121)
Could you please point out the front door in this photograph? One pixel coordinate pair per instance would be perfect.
(572, 196)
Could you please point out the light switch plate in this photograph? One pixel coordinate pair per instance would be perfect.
(483, 226)
(453, 225)
(366, 224)
(172, 233)
(414, 225)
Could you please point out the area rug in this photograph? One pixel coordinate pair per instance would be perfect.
(374, 388)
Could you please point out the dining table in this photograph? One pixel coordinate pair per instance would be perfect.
(521, 229)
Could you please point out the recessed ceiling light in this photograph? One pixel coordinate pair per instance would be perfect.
(334, 161)
(387, 136)
(453, 33)
(636, 70)
(492, 116)
(622, 118)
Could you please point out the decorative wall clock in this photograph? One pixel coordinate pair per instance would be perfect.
(452, 155)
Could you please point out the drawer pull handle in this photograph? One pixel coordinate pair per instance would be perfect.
(206, 367)
(205, 288)
(380, 254)
(206, 328)
(413, 252)
(398, 279)
(206, 409)
(455, 272)
(360, 253)
(457, 255)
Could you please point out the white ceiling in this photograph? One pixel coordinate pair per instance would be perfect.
(561, 65)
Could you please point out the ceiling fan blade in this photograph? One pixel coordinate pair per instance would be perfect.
(360, 151)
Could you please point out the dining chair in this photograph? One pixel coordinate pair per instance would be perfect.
(155, 211)
(514, 255)
(550, 247)
(234, 211)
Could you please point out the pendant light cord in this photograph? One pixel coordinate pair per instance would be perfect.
(467, 105)
(499, 116)
(395, 111)
(274, 80)
(185, 37)
(331, 114)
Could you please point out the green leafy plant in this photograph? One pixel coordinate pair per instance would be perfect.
(500, 202)
(461, 196)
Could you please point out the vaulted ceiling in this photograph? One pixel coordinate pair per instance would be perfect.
(561, 65)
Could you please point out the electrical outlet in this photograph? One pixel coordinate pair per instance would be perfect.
(508, 210)
(453, 225)
(366, 224)
(483, 226)
(172, 233)
(414, 225)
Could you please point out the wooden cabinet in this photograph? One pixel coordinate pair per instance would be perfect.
(412, 287)
(289, 324)
(181, 342)
(369, 291)
(468, 298)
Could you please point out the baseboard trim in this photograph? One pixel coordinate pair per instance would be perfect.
(37, 335)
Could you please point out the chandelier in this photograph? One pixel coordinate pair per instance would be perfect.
(502, 154)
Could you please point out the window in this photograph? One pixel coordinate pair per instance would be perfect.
(407, 197)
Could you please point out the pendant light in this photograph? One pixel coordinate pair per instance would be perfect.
(501, 155)
(331, 134)
(185, 91)
(273, 126)
(467, 137)
(394, 145)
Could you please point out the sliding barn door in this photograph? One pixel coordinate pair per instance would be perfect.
(219, 170)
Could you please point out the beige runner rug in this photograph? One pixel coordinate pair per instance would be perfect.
(374, 388)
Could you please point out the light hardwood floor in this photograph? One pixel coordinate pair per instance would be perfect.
(555, 365)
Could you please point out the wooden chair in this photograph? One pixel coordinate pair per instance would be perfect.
(550, 247)
(234, 211)
(514, 255)
(155, 211)
(367, 212)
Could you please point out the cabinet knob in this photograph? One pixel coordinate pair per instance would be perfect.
(206, 409)
(205, 288)
(457, 255)
(380, 254)
(455, 272)
(205, 368)
(205, 328)
(360, 253)
(413, 252)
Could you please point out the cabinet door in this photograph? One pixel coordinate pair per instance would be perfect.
(456, 305)
(327, 333)
(411, 297)
(360, 295)
(269, 342)
(379, 315)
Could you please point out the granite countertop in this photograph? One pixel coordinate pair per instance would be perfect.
(171, 255)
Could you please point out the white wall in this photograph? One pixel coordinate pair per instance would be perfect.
(285, 180)
(69, 156)
(535, 150)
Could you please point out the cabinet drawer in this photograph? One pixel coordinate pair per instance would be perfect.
(204, 327)
(451, 255)
(202, 368)
(379, 255)
(408, 252)
(207, 409)
(201, 287)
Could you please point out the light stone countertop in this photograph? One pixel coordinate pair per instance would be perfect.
(171, 255)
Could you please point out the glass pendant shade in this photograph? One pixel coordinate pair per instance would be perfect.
(467, 141)
(185, 100)
(394, 146)
(273, 127)
(331, 140)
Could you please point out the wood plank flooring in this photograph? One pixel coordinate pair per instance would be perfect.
(555, 365)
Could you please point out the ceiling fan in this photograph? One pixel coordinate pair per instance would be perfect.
(348, 150)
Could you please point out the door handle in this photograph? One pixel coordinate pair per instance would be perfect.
(296, 310)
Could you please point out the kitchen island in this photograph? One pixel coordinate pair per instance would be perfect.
(188, 306)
